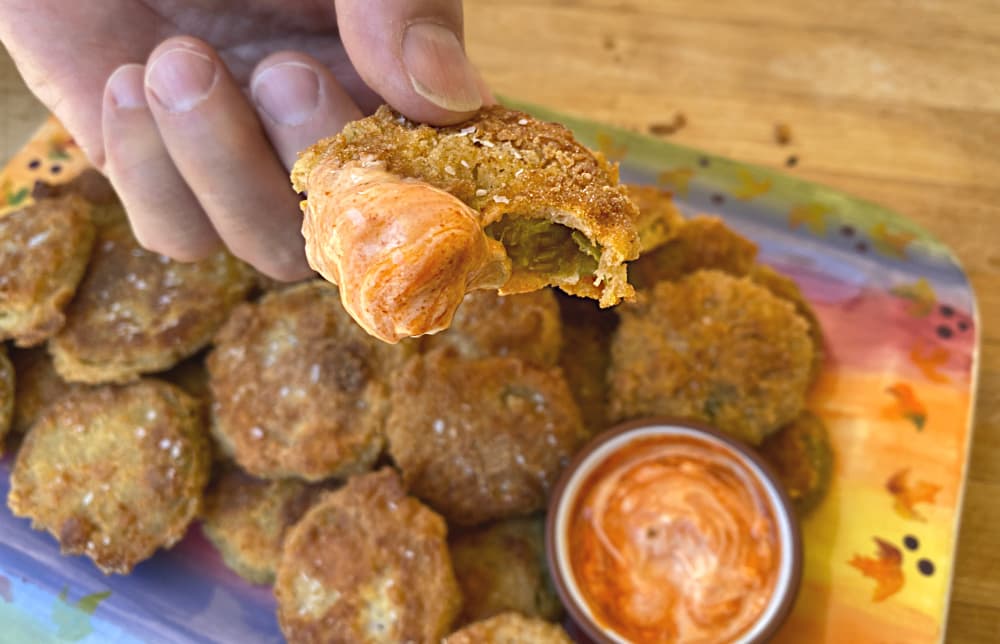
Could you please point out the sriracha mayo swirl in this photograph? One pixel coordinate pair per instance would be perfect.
(674, 539)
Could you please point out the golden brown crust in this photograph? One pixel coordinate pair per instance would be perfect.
(246, 519)
(138, 312)
(525, 326)
(786, 288)
(299, 389)
(367, 564)
(38, 386)
(114, 472)
(6, 395)
(501, 567)
(802, 456)
(500, 162)
(510, 628)
(701, 243)
(586, 357)
(93, 187)
(658, 220)
(481, 439)
(44, 250)
(714, 348)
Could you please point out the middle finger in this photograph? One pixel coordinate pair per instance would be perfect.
(218, 146)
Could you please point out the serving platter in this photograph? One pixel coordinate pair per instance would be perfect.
(897, 394)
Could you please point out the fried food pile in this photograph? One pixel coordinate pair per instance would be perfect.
(407, 218)
(387, 492)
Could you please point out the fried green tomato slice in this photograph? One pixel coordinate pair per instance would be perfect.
(44, 250)
(246, 519)
(114, 472)
(367, 564)
(802, 456)
(501, 567)
(138, 312)
(713, 348)
(510, 628)
(6, 395)
(525, 326)
(701, 243)
(786, 288)
(658, 219)
(479, 440)
(556, 207)
(298, 389)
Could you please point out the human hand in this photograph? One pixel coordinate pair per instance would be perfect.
(197, 139)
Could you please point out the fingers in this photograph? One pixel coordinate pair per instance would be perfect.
(217, 145)
(299, 102)
(165, 215)
(413, 55)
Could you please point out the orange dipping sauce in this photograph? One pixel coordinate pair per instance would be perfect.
(674, 539)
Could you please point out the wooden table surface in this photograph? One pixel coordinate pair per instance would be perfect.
(897, 102)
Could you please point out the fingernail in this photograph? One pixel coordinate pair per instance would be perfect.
(180, 78)
(125, 87)
(287, 93)
(438, 68)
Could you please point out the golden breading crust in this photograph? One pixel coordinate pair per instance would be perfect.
(246, 519)
(93, 187)
(802, 456)
(786, 288)
(481, 439)
(367, 564)
(510, 628)
(44, 250)
(701, 243)
(714, 348)
(6, 395)
(658, 220)
(586, 356)
(501, 567)
(525, 326)
(38, 386)
(114, 472)
(300, 390)
(501, 163)
(138, 312)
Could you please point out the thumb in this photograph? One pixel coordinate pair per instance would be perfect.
(413, 54)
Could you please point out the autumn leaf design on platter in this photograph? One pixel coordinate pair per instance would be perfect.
(907, 495)
(886, 568)
(906, 405)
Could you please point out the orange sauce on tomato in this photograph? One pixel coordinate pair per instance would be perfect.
(674, 539)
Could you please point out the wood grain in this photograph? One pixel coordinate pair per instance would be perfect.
(897, 102)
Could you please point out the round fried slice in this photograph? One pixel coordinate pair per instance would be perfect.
(803, 458)
(6, 395)
(138, 312)
(299, 389)
(786, 288)
(713, 348)
(246, 519)
(501, 567)
(586, 356)
(658, 220)
(114, 472)
(556, 206)
(38, 386)
(701, 243)
(44, 250)
(525, 326)
(92, 186)
(510, 628)
(481, 439)
(367, 564)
